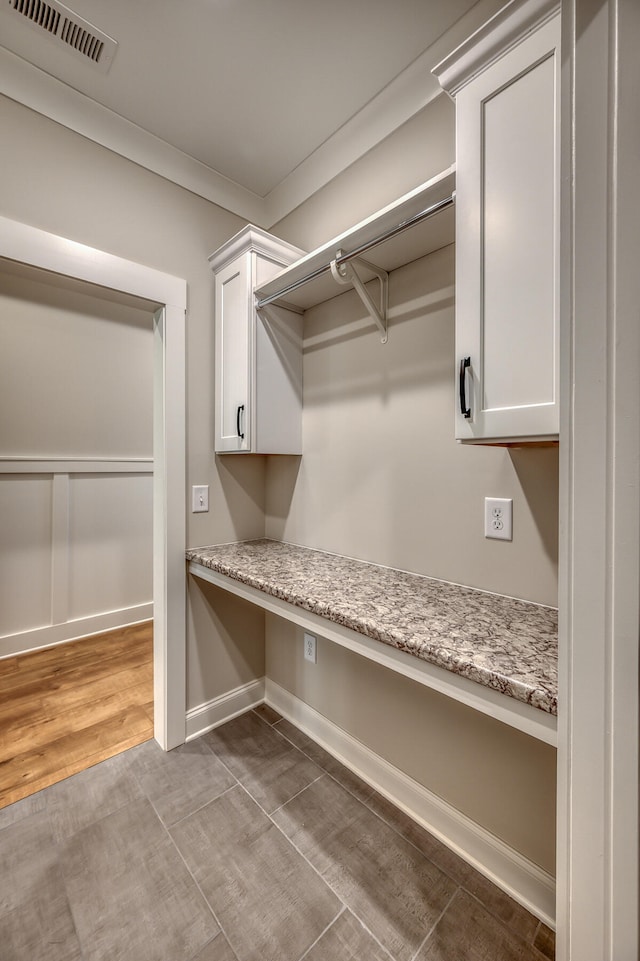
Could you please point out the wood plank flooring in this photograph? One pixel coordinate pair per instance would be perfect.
(65, 708)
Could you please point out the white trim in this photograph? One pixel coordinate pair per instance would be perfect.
(38, 637)
(492, 39)
(60, 509)
(224, 708)
(253, 240)
(29, 245)
(520, 878)
(75, 465)
(169, 527)
(599, 588)
(28, 85)
(509, 710)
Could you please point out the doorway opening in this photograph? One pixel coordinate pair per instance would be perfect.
(119, 278)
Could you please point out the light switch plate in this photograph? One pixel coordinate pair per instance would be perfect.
(199, 499)
(498, 518)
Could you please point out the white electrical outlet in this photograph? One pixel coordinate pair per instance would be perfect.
(309, 648)
(199, 499)
(498, 518)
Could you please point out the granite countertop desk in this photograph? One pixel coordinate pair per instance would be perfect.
(494, 653)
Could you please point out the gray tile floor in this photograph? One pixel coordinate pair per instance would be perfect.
(249, 844)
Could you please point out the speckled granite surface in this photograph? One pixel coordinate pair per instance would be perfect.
(505, 644)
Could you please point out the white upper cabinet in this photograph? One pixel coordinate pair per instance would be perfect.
(258, 361)
(506, 84)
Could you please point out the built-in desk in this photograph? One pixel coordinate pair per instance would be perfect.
(493, 653)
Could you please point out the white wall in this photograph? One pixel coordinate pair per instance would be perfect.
(382, 477)
(75, 370)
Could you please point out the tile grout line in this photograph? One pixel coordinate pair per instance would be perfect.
(535, 934)
(297, 794)
(232, 787)
(322, 934)
(403, 836)
(240, 785)
(66, 840)
(202, 895)
(383, 821)
(201, 808)
(368, 807)
(312, 866)
(505, 924)
(396, 831)
(434, 925)
(297, 850)
(57, 853)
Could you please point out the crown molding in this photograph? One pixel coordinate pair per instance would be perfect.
(397, 103)
(492, 39)
(258, 241)
(33, 88)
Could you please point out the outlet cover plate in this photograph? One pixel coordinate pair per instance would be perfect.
(310, 647)
(498, 518)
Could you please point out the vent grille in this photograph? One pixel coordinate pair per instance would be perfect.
(68, 28)
(81, 40)
(39, 13)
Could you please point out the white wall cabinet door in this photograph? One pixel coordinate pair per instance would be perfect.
(233, 355)
(258, 365)
(507, 242)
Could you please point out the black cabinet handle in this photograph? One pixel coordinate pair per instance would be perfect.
(238, 414)
(464, 410)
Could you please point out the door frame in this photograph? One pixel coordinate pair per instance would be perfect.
(37, 248)
(598, 889)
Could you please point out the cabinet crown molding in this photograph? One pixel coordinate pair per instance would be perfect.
(253, 239)
(504, 30)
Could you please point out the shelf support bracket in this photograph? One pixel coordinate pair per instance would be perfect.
(346, 273)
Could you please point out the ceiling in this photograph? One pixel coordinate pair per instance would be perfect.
(256, 101)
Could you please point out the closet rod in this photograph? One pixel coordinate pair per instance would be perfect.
(363, 248)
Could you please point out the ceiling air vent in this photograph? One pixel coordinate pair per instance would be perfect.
(68, 28)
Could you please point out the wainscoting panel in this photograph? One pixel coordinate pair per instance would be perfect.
(25, 551)
(76, 548)
(110, 525)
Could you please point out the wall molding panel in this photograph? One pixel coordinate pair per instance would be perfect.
(77, 550)
(75, 465)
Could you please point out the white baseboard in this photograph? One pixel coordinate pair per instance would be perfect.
(221, 709)
(12, 644)
(520, 878)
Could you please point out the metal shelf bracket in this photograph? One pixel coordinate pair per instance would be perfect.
(345, 272)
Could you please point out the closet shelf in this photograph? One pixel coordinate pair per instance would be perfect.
(415, 225)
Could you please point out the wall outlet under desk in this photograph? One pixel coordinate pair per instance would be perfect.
(310, 647)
